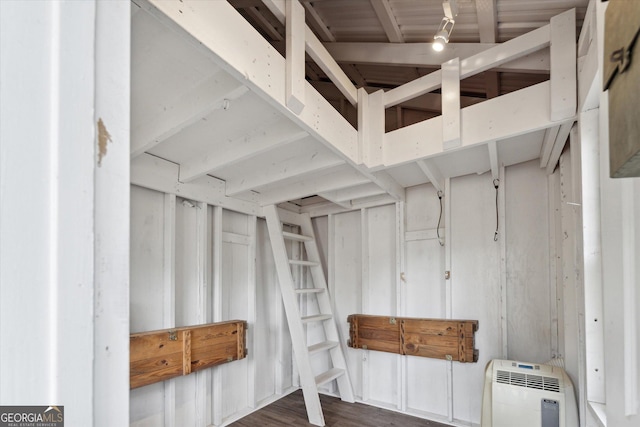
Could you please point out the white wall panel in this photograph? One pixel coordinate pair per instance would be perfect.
(382, 298)
(345, 283)
(268, 302)
(475, 281)
(146, 292)
(527, 240)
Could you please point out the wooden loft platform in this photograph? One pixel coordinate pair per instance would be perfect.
(219, 115)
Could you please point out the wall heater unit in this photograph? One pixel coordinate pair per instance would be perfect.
(527, 395)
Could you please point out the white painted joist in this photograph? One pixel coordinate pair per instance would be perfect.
(520, 112)
(193, 105)
(317, 23)
(432, 172)
(563, 66)
(329, 180)
(257, 143)
(311, 162)
(161, 175)
(329, 208)
(422, 55)
(295, 60)
(220, 32)
(357, 192)
(388, 20)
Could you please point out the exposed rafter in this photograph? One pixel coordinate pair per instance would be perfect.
(388, 20)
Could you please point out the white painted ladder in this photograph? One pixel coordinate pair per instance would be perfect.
(290, 296)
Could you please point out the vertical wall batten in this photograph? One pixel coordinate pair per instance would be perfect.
(169, 296)
(251, 310)
(401, 295)
(202, 377)
(217, 309)
(364, 275)
(502, 241)
(629, 279)
(448, 286)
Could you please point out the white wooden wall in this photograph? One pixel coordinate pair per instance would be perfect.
(368, 250)
(190, 264)
(193, 263)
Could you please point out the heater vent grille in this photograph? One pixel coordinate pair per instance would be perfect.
(537, 382)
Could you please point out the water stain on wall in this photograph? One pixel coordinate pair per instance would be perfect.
(104, 137)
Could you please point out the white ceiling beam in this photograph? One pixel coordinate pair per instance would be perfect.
(432, 172)
(353, 193)
(327, 181)
(317, 23)
(422, 55)
(388, 20)
(295, 57)
(161, 175)
(387, 183)
(563, 66)
(328, 208)
(271, 31)
(310, 162)
(177, 114)
(509, 115)
(242, 148)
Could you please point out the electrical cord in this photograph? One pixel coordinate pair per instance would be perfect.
(496, 184)
(440, 195)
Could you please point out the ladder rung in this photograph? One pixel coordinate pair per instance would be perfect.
(309, 290)
(296, 237)
(322, 346)
(316, 318)
(301, 262)
(330, 375)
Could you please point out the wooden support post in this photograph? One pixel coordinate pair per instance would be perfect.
(451, 104)
(563, 66)
(295, 60)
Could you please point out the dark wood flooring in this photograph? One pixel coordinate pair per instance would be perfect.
(290, 411)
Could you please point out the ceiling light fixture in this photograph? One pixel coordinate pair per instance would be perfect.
(441, 38)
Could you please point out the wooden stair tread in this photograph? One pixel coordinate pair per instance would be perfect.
(322, 346)
(316, 318)
(330, 375)
(296, 237)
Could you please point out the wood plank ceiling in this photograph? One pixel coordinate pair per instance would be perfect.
(348, 24)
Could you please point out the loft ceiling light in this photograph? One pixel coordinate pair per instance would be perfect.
(441, 38)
